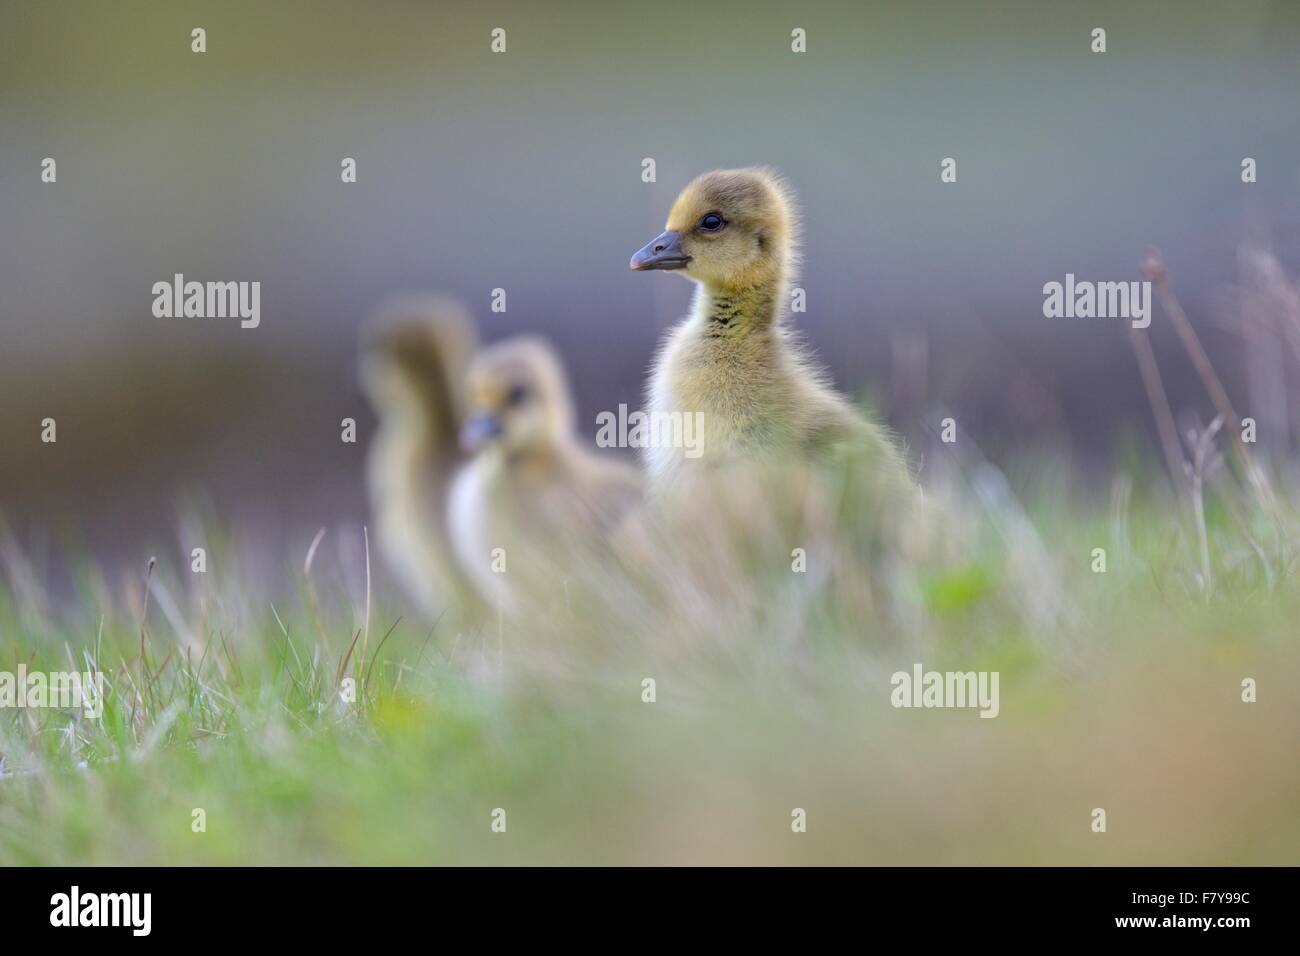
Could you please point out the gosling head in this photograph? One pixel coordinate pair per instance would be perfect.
(413, 348)
(518, 399)
(731, 228)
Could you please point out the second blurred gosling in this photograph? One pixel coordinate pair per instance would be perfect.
(506, 503)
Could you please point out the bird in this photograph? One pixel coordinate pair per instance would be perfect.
(734, 359)
(484, 495)
(414, 352)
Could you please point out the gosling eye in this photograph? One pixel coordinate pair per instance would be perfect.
(517, 395)
(712, 222)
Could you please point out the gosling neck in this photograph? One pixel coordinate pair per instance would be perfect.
(538, 457)
(727, 311)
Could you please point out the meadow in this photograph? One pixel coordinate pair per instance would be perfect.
(726, 697)
(227, 693)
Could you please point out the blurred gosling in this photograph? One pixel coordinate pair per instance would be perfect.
(483, 493)
(415, 350)
(734, 233)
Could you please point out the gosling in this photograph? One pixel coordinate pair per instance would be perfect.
(734, 232)
(483, 493)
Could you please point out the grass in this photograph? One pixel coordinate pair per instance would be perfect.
(223, 694)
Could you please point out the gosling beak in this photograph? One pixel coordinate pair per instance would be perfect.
(663, 252)
(479, 429)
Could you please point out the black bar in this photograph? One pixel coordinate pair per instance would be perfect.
(335, 906)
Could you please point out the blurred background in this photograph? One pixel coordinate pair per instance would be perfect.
(523, 171)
